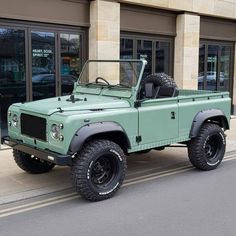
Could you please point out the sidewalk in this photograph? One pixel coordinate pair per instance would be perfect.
(15, 184)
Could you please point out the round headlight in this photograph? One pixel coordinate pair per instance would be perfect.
(15, 120)
(55, 131)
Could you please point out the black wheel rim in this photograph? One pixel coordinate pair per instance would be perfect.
(212, 148)
(103, 171)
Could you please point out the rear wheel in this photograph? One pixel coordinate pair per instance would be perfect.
(207, 150)
(31, 164)
(98, 170)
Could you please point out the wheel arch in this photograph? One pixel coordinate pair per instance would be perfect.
(99, 130)
(215, 116)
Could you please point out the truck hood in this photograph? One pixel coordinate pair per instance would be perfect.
(81, 103)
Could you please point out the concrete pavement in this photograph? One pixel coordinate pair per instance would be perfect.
(16, 185)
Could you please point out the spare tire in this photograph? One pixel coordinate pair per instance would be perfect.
(159, 79)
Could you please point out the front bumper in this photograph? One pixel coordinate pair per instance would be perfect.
(46, 155)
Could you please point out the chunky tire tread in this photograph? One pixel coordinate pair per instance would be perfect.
(196, 151)
(81, 164)
(158, 79)
(31, 165)
(161, 79)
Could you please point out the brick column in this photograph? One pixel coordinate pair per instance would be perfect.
(104, 33)
(187, 51)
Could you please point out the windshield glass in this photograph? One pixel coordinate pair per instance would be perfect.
(111, 73)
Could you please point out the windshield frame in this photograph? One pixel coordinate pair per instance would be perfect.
(143, 61)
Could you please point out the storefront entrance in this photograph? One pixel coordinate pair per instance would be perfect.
(215, 66)
(38, 61)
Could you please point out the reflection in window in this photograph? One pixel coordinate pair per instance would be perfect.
(43, 64)
(12, 71)
(163, 57)
(201, 67)
(156, 52)
(217, 74)
(126, 49)
(70, 61)
(225, 68)
(212, 67)
(144, 51)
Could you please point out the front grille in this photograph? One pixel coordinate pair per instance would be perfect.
(33, 126)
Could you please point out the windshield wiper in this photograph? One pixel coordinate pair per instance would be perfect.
(95, 83)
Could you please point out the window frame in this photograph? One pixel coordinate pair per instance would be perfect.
(207, 42)
(46, 27)
(154, 38)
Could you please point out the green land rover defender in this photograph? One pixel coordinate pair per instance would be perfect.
(115, 110)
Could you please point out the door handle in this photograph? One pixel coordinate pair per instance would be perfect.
(172, 115)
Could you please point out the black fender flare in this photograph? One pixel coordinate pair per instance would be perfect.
(212, 115)
(86, 131)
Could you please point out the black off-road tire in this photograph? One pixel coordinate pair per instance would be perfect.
(32, 165)
(98, 170)
(159, 79)
(207, 150)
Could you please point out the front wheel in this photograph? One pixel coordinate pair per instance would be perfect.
(31, 164)
(207, 150)
(98, 170)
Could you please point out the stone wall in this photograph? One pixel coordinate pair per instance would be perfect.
(187, 51)
(217, 8)
(104, 32)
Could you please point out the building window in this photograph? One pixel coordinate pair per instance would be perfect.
(38, 61)
(126, 48)
(157, 51)
(12, 70)
(163, 53)
(71, 61)
(43, 64)
(215, 66)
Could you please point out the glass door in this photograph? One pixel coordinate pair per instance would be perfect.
(126, 48)
(144, 50)
(215, 66)
(212, 67)
(163, 54)
(12, 71)
(71, 61)
(43, 64)
(225, 68)
(38, 61)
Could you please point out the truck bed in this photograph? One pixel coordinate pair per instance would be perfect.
(183, 93)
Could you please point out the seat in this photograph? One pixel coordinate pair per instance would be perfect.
(149, 90)
(166, 92)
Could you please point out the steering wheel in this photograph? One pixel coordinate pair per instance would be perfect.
(103, 80)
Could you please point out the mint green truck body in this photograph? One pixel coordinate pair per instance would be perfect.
(59, 129)
(157, 122)
(152, 121)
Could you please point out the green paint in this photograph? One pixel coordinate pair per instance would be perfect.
(159, 122)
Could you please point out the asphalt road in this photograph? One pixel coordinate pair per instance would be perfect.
(182, 201)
